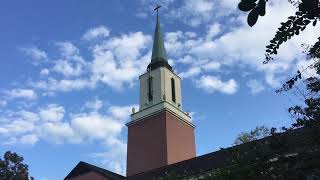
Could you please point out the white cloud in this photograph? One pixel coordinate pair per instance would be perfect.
(68, 68)
(28, 116)
(67, 49)
(21, 93)
(114, 65)
(213, 30)
(30, 139)
(10, 141)
(121, 112)
(3, 103)
(49, 123)
(52, 112)
(57, 133)
(63, 85)
(255, 86)
(212, 83)
(70, 63)
(196, 53)
(44, 72)
(193, 71)
(35, 53)
(193, 12)
(115, 158)
(211, 66)
(100, 31)
(16, 127)
(94, 105)
(95, 126)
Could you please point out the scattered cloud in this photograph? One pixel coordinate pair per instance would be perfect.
(50, 123)
(52, 112)
(35, 53)
(114, 65)
(94, 105)
(67, 49)
(121, 112)
(57, 132)
(16, 127)
(21, 93)
(29, 139)
(68, 68)
(3, 103)
(97, 32)
(44, 72)
(212, 84)
(255, 86)
(194, 13)
(71, 62)
(63, 85)
(213, 30)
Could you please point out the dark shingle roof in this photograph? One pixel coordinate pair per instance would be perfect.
(204, 163)
(83, 167)
(219, 159)
(192, 166)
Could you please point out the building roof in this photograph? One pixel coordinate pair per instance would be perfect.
(192, 166)
(222, 158)
(83, 167)
(294, 138)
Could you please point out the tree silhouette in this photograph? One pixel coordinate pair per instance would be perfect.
(13, 168)
(257, 133)
(308, 12)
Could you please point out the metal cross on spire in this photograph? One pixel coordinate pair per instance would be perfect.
(157, 8)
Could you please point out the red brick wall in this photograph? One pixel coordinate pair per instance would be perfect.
(89, 176)
(180, 140)
(158, 141)
(146, 145)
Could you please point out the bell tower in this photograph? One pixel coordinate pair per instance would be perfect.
(160, 133)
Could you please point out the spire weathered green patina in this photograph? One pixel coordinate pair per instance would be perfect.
(159, 56)
(158, 51)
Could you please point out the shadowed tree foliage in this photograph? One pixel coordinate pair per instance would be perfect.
(13, 168)
(308, 13)
(255, 134)
(294, 155)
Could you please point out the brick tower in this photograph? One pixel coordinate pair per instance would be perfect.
(160, 133)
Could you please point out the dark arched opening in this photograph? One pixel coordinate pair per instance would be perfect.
(173, 90)
(150, 89)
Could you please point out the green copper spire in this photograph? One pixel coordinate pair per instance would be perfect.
(158, 51)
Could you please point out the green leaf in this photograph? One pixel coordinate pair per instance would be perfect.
(314, 23)
(262, 7)
(246, 5)
(253, 17)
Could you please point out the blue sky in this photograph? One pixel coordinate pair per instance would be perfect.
(69, 75)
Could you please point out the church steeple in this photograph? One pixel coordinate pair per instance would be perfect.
(159, 55)
(158, 51)
(160, 132)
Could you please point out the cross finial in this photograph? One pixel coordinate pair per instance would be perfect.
(157, 8)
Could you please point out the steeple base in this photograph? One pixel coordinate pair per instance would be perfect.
(158, 140)
(159, 63)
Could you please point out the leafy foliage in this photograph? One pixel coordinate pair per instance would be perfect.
(293, 26)
(256, 9)
(291, 155)
(308, 13)
(258, 133)
(13, 168)
(308, 115)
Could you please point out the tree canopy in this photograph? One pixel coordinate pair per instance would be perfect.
(13, 168)
(308, 12)
(257, 133)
